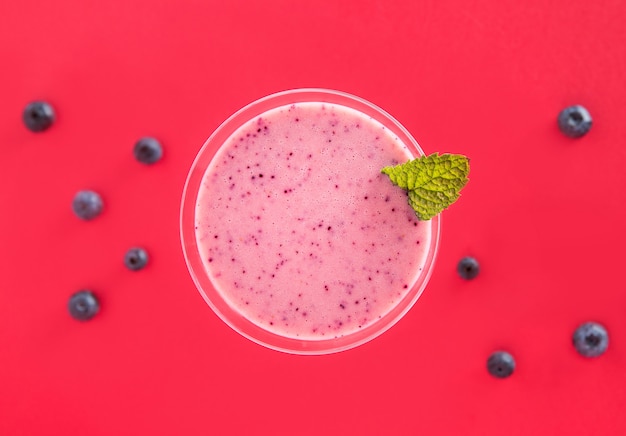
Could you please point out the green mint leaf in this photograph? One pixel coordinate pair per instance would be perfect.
(433, 182)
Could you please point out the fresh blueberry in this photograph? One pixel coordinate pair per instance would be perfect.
(591, 339)
(148, 150)
(136, 259)
(87, 205)
(574, 121)
(500, 364)
(83, 305)
(38, 116)
(468, 268)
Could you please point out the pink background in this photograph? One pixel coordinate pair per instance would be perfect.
(544, 214)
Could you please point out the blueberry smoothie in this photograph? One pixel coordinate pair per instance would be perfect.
(300, 232)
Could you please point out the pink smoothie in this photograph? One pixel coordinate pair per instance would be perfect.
(298, 229)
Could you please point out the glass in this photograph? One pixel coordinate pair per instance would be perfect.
(198, 270)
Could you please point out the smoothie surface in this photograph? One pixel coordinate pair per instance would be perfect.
(298, 229)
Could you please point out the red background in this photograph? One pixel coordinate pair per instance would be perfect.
(544, 214)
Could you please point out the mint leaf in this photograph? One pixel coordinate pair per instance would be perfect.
(433, 182)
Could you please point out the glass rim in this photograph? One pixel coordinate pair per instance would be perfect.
(196, 267)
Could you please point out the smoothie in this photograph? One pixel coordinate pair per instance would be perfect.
(300, 232)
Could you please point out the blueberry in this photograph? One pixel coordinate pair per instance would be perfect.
(87, 205)
(38, 116)
(148, 150)
(468, 268)
(574, 121)
(591, 339)
(136, 259)
(83, 305)
(500, 364)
